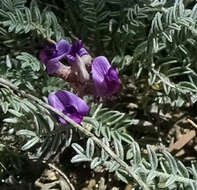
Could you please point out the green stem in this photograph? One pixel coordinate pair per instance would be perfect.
(167, 176)
(41, 30)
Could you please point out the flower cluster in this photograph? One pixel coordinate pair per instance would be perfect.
(86, 75)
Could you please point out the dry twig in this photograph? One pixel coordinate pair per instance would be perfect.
(63, 175)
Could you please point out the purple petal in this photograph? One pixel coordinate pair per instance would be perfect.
(76, 118)
(52, 64)
(68, 103)
(52, 53)
(55, 102)
(43, 57)
(69, 98)
(100, 67)
(62, 47)
(48, 52)
(70, 58)
(105, 77)
(82, 52)
(112, 75)
(52, 67)
(101, 88)
(112, 81)
(71, 112)
(76, 47)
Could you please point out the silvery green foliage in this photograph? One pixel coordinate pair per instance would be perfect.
(153, 42)
(20, 19)
(22, 121)
(27, 123)
(163, 49)
(159, 170)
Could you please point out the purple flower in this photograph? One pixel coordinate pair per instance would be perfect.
(76, 49)
(52, 53)
(69, 104)
(105, 77)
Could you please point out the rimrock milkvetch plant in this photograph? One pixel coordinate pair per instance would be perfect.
(150, 46)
